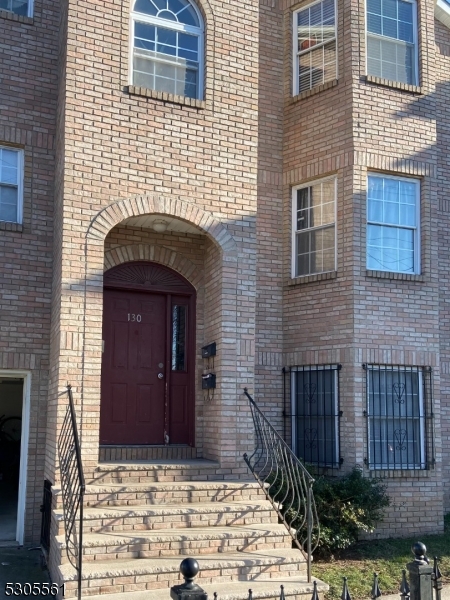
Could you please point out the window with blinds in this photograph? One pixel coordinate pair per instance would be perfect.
(392, 40)
(314, 45)
(314, 228)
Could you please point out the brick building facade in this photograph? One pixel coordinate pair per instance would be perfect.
(269, 184)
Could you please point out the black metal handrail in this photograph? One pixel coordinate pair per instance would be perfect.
(286, 483)
(72, 487)
(46, 510)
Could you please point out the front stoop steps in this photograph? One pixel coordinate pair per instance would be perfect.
(142, 518)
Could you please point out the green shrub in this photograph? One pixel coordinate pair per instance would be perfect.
(346, 506)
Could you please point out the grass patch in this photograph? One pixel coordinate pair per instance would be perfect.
(386, 557)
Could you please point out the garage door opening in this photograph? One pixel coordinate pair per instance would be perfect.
(11, 406)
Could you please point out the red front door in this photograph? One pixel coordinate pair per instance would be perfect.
(147, 390)
(133, 368)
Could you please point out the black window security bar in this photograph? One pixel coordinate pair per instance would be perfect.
(72, 487)
(314, 413)
(399, 415)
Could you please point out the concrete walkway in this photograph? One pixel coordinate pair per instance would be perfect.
(20, 565)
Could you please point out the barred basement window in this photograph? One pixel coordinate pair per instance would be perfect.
(314, 45)
(398, 417)
(315, 414)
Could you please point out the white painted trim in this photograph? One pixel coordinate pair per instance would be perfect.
(25, 436)
(30, 7)
(442, 12)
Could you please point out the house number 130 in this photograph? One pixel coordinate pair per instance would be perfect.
(132, 317)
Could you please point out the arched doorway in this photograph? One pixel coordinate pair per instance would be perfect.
(148, 365)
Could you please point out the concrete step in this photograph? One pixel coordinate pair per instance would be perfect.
(174, 516)
(295, 588)
(145, 471)
(175, 542)
(121, 576)
(137, 494)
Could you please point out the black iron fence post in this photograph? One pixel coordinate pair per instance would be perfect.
(420, 574)
(188, 590)
(437, 579)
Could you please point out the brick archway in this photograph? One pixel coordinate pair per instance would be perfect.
(120, 210)
(223, 271)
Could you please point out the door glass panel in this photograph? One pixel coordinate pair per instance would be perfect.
(179, 314)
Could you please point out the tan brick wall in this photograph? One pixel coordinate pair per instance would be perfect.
(227, 165)
(353, 317)
(123, 151)
(27, 121)
(442, 70)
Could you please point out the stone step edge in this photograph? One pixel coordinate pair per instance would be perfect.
(159, 565)
(151, 510)
(169, 486)
(262, 588)
(155, 465)
(104, 539)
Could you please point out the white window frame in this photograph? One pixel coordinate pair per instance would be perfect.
(29, 11)
(296, 52)
(20, 171)
(417, 245)
(294, 415)
(294, 225)
(175, 26)
(384, 37)
(421, 417)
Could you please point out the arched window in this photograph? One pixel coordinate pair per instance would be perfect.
(168, 47)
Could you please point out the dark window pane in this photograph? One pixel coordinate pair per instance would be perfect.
(316, 416)
(395, 418)
(146, 7)
(20, 7)
(166, 14)
(179, 314)
(166, 36)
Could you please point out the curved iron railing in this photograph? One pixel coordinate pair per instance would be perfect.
(286, 483)
(72, 487)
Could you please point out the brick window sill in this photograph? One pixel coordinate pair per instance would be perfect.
(315, 90)
(10, 16)
(165, 97)
(397, 85)
(312, 278)
(401, 473)
(394, 276)
(6, 226)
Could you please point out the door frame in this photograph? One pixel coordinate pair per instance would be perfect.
(178, 287)
(24, 442)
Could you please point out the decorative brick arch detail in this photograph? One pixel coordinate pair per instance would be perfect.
(159, 254)
(117, 212)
